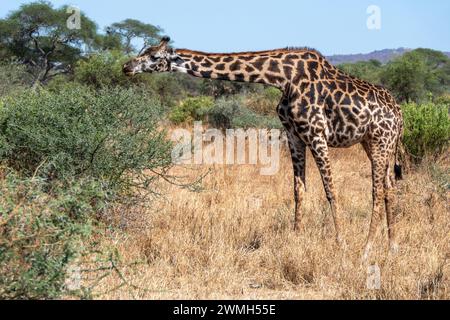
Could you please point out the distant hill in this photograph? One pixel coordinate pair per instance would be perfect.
(383, 56)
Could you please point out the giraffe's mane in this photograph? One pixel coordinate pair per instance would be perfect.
(294, 48)
(244, 53)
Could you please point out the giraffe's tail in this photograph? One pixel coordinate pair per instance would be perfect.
(398, 168)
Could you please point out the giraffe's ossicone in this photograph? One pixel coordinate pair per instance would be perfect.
(322, 107)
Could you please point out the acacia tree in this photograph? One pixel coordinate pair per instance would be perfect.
(418, 74)
(438, 70)
(40, 37)
(406, 77)
(130, 30)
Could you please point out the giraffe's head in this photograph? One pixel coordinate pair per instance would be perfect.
(160, 58)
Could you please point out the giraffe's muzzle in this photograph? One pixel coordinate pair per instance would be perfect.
(129, 69)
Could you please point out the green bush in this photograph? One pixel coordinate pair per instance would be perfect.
(103, 70)
(231, 113)
(219, 88)
(110, 135)
(249, 119)
(65, 158)
(444, 99)
(265, 103)
(42, 235)
(192, 109)
(427, 129)
(224, 112)
(167, 88)
(13, 78)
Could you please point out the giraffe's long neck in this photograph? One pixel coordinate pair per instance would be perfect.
(256, 67)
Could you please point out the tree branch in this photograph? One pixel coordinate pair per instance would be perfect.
(36, 42)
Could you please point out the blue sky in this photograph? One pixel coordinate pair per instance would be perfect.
(331, 26)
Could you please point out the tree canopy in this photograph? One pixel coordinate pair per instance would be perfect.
(39, 36)
(418, 74)
(129, 30)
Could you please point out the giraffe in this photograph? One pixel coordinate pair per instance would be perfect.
(321, 108)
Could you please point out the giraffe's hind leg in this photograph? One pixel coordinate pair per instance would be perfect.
(389, 189)
(379, 156)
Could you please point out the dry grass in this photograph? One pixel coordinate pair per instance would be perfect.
(234, 240)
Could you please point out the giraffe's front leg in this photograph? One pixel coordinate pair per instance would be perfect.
(298, 154)
(319, 149)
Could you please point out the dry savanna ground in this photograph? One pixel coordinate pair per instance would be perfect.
(234, 239)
